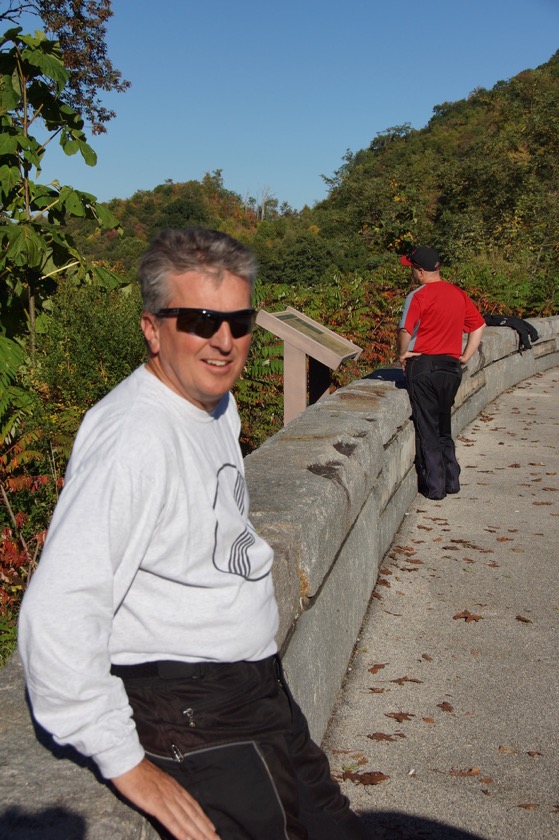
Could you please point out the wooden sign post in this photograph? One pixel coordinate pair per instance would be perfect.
(304, 337)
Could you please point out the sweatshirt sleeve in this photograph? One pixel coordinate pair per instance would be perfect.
(99, 533)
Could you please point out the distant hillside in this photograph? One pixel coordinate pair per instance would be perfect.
(480, 183)
(482, 178)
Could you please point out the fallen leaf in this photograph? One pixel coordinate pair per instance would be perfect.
(374, 669)
(529, 806)
(445, 707)
(385, 571)
(373, 777)
(383, 582)
(524, 619)
(504, 539)
(473, 771)
(399, 716)
(542, 503)
(426, 657)
(534, 753)
(468, 616)
(514, 466)
(428, 720)
(377, 595)
(486, 780)
(381, 736)
(402, 680)
(506, 750)
(377, 690)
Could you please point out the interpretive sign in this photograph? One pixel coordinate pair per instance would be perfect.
(302, 337)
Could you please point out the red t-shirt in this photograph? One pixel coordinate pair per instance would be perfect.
(436, 315)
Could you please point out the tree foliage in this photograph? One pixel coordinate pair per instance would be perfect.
(79, 26)
(35, 249)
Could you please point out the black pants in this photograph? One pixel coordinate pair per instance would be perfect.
(432, 385)
(233, 736)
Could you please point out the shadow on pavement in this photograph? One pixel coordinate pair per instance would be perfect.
(48, 824)
(395, 825)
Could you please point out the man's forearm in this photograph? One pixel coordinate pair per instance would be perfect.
(472, 344)
(403, 342)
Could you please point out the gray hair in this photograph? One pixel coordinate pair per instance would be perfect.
(191, 249)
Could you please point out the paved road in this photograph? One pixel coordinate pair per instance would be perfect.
(453, 691)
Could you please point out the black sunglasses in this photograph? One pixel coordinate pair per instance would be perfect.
(205, 322)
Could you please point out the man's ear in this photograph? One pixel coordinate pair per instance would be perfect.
(150, 329)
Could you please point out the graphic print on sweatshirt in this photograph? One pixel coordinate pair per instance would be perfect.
(234, 537)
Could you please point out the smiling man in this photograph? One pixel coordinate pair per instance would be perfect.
(160, 660)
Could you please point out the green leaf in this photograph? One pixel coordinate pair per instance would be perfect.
(25, 246)
(49, 66)
(9, 178)
(106, 218)
(9, 98)
(105, 278)
(8, 143)
(71, 147)
(87, 153)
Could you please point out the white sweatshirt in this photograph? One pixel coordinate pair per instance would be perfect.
(150, 555)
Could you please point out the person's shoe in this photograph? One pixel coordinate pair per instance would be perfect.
(452, 490)
(435, 496)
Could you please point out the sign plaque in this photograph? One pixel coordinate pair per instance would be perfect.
(302, 337)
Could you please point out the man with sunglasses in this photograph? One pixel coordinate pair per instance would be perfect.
(435, 316)
(160, 660)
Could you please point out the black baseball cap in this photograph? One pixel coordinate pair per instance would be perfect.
(422, 257)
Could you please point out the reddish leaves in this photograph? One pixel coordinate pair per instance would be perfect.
(382, 736)
(399, 716)
(467, 616)
(473, 771)
(372, 777)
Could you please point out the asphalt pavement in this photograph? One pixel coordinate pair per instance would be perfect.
(447, 725)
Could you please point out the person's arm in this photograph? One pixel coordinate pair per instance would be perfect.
(157, 793)
(404, 338)
(472, 344)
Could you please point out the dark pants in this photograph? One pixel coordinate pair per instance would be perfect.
(432, 383)
(233, 736)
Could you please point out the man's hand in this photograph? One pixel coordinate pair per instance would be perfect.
(157, 793)
(405, 356)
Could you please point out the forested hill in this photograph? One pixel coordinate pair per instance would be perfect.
(483, 175)
(480, 183)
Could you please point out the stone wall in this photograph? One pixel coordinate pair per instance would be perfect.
(329, 492)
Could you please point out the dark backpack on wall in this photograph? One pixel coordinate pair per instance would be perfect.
(526, 332)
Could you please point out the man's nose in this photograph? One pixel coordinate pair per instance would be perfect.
(222, 338)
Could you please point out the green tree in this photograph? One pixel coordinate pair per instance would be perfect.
(80, 28)
(35, 249)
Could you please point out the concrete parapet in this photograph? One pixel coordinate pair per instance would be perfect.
(329, 492)
(331, 489)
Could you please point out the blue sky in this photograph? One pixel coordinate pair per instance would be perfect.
(273, 94)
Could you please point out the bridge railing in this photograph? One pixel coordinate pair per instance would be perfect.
(330, 490)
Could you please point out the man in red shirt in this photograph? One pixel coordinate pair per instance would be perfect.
(430, 335)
